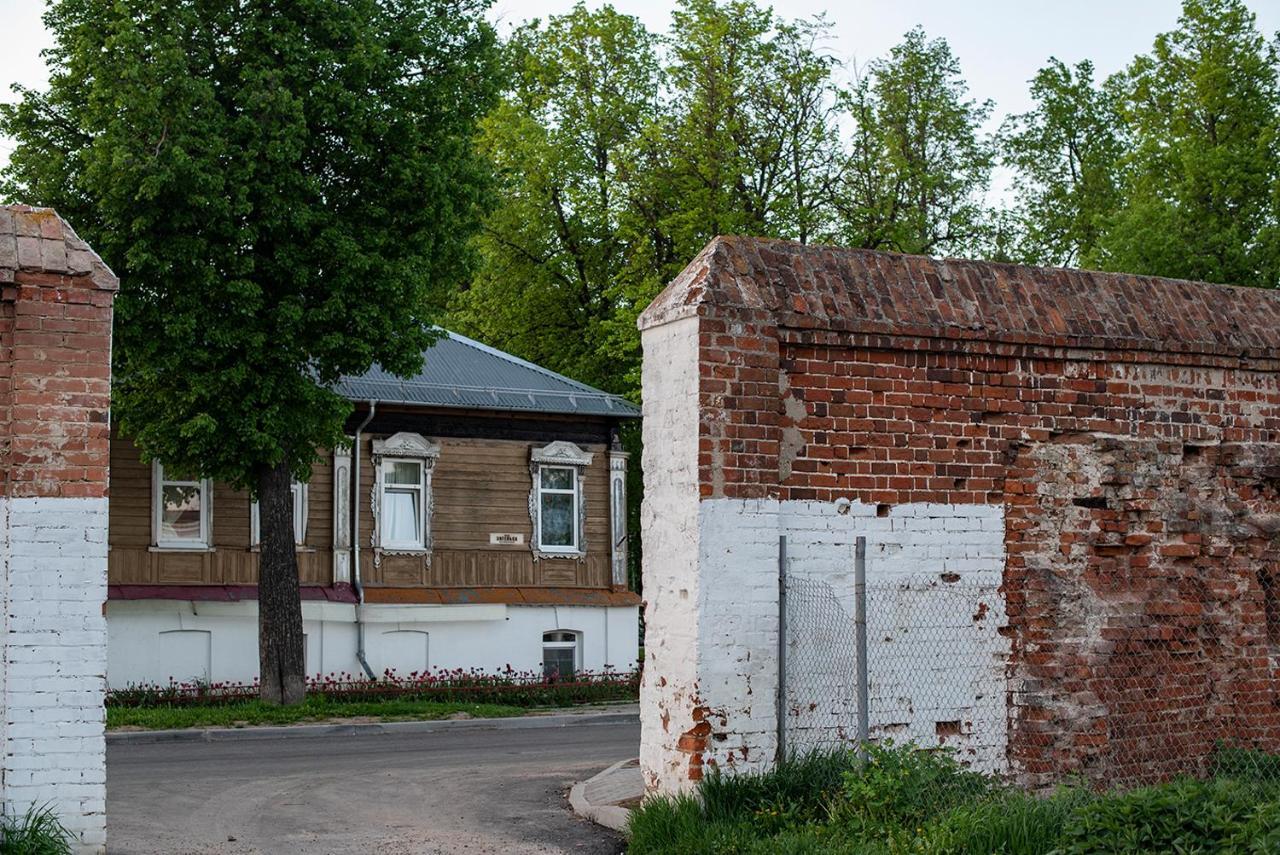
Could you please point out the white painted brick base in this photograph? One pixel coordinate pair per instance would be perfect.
(54, 555)
(714, 617)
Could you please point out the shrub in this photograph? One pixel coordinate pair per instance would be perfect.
(508, 686)
(1246, 764)
(37, 832)
(1011, 823)
(901, 787)
(1183, 815)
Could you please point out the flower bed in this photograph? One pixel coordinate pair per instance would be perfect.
(508, 686)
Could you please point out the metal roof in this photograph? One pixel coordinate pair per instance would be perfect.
(463, 373)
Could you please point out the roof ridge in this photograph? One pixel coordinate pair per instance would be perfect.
(806, 287)
(515, 360)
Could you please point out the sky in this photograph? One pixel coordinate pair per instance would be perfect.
(1000, 43)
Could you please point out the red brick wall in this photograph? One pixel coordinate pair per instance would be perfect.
(1128, 427)
(55, 346)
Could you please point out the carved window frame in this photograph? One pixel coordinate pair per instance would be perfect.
(301, 510)
(558, 455)
(403, 446)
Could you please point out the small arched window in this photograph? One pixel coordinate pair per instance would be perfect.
(561, 654)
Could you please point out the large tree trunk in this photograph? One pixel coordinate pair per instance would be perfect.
(280, 649)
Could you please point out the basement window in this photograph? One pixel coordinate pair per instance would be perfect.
(299, 490)
(561, 654)
(180, 510)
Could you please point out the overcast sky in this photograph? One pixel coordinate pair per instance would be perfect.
(1000, 43)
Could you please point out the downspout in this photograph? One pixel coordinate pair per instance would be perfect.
(355, 543)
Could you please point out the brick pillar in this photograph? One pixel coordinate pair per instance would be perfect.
(55, 369)
(710, 524)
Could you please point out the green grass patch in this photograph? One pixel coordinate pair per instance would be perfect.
(36, 832)
(907, 801)
(314, 709)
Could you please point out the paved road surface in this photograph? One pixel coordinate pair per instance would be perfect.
(470, 791)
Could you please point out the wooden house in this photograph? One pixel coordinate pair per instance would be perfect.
(477, 519)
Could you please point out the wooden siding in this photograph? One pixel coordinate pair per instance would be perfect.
(132, 560)
(481, 487)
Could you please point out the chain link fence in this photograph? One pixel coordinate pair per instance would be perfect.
(1116, 709)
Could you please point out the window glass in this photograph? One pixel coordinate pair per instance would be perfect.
(299, 491)
(403, 472)
(557, 478)
(180, 512)
(558, 507)
(402, 499)
(558, 662)
(557, 520)
(401, 516)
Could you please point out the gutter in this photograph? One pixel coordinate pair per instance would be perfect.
(355, 542)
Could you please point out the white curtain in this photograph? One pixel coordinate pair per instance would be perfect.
(401, 518)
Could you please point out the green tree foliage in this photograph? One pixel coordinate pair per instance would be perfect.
(567, 141)
(620, 154)
(1201, 179)
(1170, 167)
(1066, 153)
(286, 190)
(918, 165)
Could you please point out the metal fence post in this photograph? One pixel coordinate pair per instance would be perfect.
(860, 641)
(782, 648)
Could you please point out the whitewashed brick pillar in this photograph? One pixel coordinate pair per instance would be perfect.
(55, 369)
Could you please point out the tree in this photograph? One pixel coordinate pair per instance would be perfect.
(917, 166)
(583, 87)
(285, 189)
(1201, 180)
(751, 124)
(1066, 156)
(616, 168)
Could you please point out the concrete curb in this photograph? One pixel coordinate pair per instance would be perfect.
(610, 816)
(314, 731)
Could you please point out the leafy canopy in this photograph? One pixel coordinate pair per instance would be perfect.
(286, 190)
(1170, 167)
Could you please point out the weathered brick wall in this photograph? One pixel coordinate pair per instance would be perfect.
(55, 342)
(1122, 430)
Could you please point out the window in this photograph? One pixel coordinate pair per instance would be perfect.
(299, 490)
(403, 500)
(558, 508)
(556, 500)
(180, 511)
(561, 654)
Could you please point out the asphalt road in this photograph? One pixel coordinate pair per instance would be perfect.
(472, 791)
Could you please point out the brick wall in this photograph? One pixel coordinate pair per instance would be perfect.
(1114, 436)
(55, 341)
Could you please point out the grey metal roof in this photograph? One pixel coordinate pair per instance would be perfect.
(463, 373)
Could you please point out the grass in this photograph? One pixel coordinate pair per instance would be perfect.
(315, 708)
(37, 832)
(906, 801)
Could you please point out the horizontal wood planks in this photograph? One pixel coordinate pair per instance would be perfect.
(132, 560)
(480, 487)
